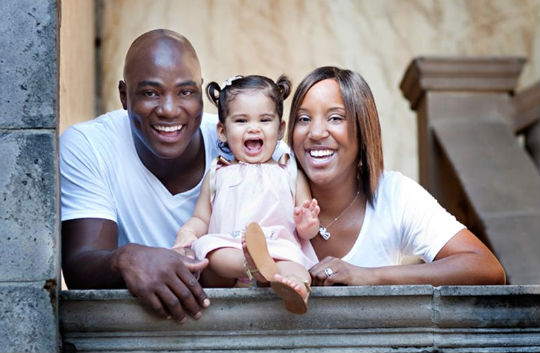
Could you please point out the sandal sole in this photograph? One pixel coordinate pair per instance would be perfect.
(292, 299)
(258, 250)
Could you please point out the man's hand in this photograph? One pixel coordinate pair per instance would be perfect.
(163, 280)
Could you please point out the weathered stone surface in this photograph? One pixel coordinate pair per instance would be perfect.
(29, 248)
(467, 107)
(487, 306)
(28, 61)
(532, 143)
(503, 188)
(339, 319)
(470, 157)
(27, 317)
(496, 173)
(516, 240)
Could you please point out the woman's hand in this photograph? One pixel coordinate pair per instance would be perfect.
(332, 270)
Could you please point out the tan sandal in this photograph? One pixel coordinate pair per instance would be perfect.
(258, 251)
(266, 267)
(292, 299)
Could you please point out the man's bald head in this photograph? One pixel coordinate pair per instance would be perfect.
(162, 86)
(150, 45)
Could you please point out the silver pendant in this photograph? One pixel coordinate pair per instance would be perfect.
(325, 234)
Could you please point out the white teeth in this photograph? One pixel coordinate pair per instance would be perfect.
(321, 153)
(165, 128)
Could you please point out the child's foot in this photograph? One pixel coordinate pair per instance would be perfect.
(264, 269)
(294, 293)
(258, 260)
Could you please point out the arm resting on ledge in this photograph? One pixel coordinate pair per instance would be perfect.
(464, 260)
(160, 278)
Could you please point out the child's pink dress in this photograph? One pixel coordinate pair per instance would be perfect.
(262, 193)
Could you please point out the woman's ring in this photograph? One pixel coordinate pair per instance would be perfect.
(328, 272)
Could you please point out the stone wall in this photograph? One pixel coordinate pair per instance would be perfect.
(29, 241)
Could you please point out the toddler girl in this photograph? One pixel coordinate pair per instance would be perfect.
(254, 216)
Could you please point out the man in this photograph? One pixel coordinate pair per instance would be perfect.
(130, 178)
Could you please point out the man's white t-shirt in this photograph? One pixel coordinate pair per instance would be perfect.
(103, 177)
(404, 221)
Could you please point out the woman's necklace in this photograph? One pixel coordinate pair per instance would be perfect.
(323, 231)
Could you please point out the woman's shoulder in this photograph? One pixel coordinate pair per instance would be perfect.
(390, 179)
(395, 184)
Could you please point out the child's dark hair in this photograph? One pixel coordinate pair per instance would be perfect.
(222, 96)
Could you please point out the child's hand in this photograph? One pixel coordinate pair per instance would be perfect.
(182, 244)
(187, 252)
(306, 218)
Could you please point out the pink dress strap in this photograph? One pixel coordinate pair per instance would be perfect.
(287, 162)
(217, 162)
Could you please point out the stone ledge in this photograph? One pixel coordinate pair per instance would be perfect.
(374, 319)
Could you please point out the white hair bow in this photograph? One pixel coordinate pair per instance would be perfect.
(229, 81)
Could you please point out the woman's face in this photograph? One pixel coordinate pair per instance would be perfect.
(323, 142)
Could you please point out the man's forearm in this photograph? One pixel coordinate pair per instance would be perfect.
(93, 269)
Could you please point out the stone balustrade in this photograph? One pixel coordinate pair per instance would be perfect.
(340, 319)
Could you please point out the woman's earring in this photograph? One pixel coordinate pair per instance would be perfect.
(359, 170)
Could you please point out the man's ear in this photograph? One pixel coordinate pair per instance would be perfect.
(123, 94)
(281, 129)
(221, 132)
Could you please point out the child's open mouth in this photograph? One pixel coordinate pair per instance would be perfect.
(253, 146)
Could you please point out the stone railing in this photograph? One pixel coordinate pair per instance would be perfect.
(470, 158)
(340, 319)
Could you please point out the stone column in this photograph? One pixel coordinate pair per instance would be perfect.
(29, 226)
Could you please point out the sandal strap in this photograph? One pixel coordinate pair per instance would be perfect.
(308, 286)
(250, 271)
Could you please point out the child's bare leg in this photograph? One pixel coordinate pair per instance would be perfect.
(227, 262)
(210, 279)
(295, 276)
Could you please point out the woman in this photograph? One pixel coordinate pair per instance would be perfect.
(372, 219)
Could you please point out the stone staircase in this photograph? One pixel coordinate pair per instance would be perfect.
(470, 158)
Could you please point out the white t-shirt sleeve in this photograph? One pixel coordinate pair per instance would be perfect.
(84, 190)
(281, 148)
(425, 225)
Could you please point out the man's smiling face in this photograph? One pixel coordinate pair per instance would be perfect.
(162, 94)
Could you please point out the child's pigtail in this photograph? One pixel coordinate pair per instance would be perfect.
(213, 91)
(284, 85)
